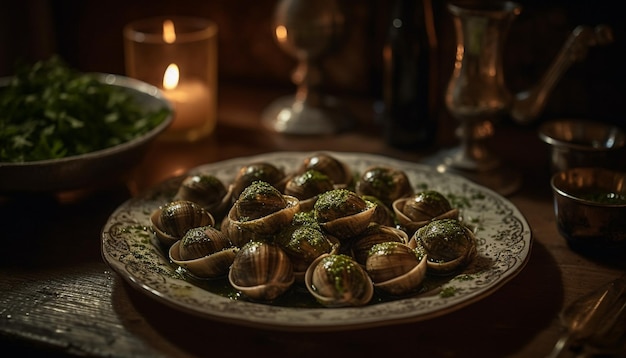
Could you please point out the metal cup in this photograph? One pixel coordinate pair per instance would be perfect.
(590, 208)
(583, 143)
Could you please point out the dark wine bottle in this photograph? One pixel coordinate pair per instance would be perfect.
(410, 76)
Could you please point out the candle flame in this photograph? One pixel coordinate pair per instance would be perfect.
(281, 32)
(170, 78)
(169, 33)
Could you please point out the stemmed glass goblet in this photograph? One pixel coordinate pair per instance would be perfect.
(308, 30)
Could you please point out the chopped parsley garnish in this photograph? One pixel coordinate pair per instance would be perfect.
(50, 111)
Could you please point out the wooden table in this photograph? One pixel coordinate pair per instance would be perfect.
(58, 297)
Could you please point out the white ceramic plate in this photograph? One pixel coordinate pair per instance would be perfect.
(504, 243)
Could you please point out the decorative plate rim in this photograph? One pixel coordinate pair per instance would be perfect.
(503, 251)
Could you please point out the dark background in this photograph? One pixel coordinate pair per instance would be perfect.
(88, 35)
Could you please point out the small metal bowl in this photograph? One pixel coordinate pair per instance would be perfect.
(590, 209)
(583, 143)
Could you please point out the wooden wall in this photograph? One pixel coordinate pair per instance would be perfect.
(88, 34)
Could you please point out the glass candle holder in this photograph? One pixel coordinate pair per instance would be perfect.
(179, 56)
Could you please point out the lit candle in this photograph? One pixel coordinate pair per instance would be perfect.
(178, 55)
(191, 100)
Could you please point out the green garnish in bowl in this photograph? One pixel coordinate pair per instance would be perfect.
(49, 110)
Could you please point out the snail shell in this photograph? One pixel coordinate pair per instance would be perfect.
(259, 199)
(303, 244)
(421, 208)
(342, 213)
(375, 234)
(261, 270)
(307, 186)
(171, 221)
(383, 214)
(385, 183)
(252, 172)
(448, 244)
(305, 218)
(205, 252)
(275, 211)
(336, 170)
(336, 280)
(395, 268)
(205, 190)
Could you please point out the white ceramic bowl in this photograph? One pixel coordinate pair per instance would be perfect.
(94, 168)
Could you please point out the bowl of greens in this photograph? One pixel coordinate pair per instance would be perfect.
(62, 130)
(590, 208)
